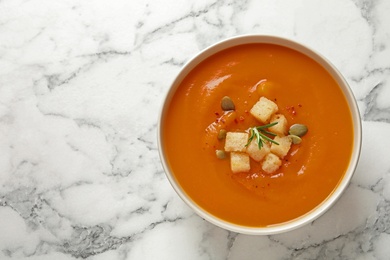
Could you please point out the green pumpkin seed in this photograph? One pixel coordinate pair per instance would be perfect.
(227, 104)
(295, 139)
(220, 154)
(222, 134)
(298, 130)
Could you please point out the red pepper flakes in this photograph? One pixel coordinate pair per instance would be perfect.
(291, 110)
(299, 105)
(235, 121)
(216, 113)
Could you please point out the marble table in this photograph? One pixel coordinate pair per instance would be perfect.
(81, 85)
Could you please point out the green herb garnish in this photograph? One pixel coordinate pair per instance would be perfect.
(261, 133)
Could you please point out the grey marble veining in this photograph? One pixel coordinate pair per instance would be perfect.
(81, 85)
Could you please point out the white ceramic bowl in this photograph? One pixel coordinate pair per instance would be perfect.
(325, 205)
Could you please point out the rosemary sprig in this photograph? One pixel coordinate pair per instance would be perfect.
(260, 133)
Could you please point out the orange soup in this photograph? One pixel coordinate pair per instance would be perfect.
(304, 92)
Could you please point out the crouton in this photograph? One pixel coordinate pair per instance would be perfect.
(264, 109)
(282, 149)
(271, 163)
(255, 153)
(239, 162)
(235, 142)
(281, 127)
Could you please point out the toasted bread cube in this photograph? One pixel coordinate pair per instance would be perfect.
(282, 149)
(264, 109)
(255, 153)
(281, 127)
(271, 163)
(239, 162)
(235, 142)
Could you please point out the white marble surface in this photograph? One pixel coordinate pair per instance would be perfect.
(81, 84)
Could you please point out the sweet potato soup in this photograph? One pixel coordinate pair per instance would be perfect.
(304, 92)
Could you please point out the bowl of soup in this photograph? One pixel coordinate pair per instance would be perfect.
(259, 134)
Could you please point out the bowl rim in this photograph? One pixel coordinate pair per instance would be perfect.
(347, 92)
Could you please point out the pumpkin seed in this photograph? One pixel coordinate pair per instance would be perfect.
(220, 154)
(298, 130)
(227, 104)
(295, 139)
(222, 134)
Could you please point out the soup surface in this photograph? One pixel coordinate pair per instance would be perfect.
(304, 92)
